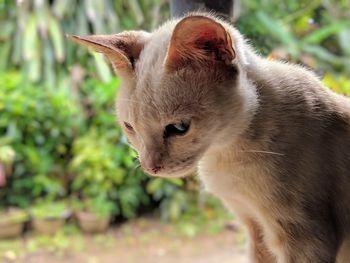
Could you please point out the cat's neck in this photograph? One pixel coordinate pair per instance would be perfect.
(240, 134)
(234, 133)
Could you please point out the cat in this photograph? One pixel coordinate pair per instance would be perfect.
(265, 136)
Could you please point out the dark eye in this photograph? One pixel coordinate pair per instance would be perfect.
(128, 126)
(179, 128)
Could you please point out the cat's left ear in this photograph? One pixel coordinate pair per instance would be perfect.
(198, 39)
(122, 49)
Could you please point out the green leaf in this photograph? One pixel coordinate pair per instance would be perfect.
(102, 67)
(62, 7)
(56, 38)
(136, 10)
(344, 40)
(324, 54)
(30, 38)
(279, 32)
(324, 32)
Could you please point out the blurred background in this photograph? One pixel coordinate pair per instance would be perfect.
(71, 189)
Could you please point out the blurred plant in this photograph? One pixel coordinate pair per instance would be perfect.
(33, 32)
(40, 127)
(204, 213)
(171, 194)
(103, 163)
(338, 83)
(174, 195)
(97, 100)
(317, 28)
(49, 209)
(100, 207)
(104, 170)
(7, 154)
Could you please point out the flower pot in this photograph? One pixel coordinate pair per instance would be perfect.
(92, 223)
(12, 222)
(47, 226)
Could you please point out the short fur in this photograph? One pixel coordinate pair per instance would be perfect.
(267, 137)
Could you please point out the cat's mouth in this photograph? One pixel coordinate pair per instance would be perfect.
(178, 169)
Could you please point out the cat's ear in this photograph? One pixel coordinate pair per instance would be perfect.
(197, 39)
(122, 49)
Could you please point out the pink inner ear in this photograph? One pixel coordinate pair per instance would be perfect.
(198, 39)
(207, 35)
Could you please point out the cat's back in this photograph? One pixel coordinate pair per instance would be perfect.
(295, 105)
(296, 94)
(309, 124)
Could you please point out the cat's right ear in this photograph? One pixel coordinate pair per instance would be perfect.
(198, 40)
(122, 49)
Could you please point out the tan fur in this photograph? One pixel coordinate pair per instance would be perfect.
(267, 137)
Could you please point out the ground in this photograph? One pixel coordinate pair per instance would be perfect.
(143, 240)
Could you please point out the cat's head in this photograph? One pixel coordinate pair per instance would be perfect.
(179, 90)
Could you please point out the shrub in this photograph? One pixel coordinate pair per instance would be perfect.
(40, 125)
(49, 209)
(104, 169)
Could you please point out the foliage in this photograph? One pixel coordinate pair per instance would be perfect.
(7, 154)
(338, 83)
(33, 32)
(51, 209)
(40, 126)
(103, 164)
(104, 172)
(171, 195)
(99, 206)
(209, 216)
(318, 28)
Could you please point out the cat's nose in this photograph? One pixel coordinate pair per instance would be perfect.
(155, 169)
(151, 165)
(151, 161)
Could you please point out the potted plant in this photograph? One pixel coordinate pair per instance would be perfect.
(94, 214)
(49, 217)
(11, 222)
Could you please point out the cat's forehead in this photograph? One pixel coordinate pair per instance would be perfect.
(151, 61)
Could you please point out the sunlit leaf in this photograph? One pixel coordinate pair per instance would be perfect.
(102, 67)
(30, 38)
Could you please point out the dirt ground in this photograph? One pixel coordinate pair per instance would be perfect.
(146, 241)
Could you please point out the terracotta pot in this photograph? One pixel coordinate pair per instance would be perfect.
(47, 226)
(12, 222)
(11, 230)
(91, 223)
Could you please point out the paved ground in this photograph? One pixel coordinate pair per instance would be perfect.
(145, 241)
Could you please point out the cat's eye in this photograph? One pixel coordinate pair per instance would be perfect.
(128, 126)
(179, 128)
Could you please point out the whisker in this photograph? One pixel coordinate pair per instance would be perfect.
(264, 152)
